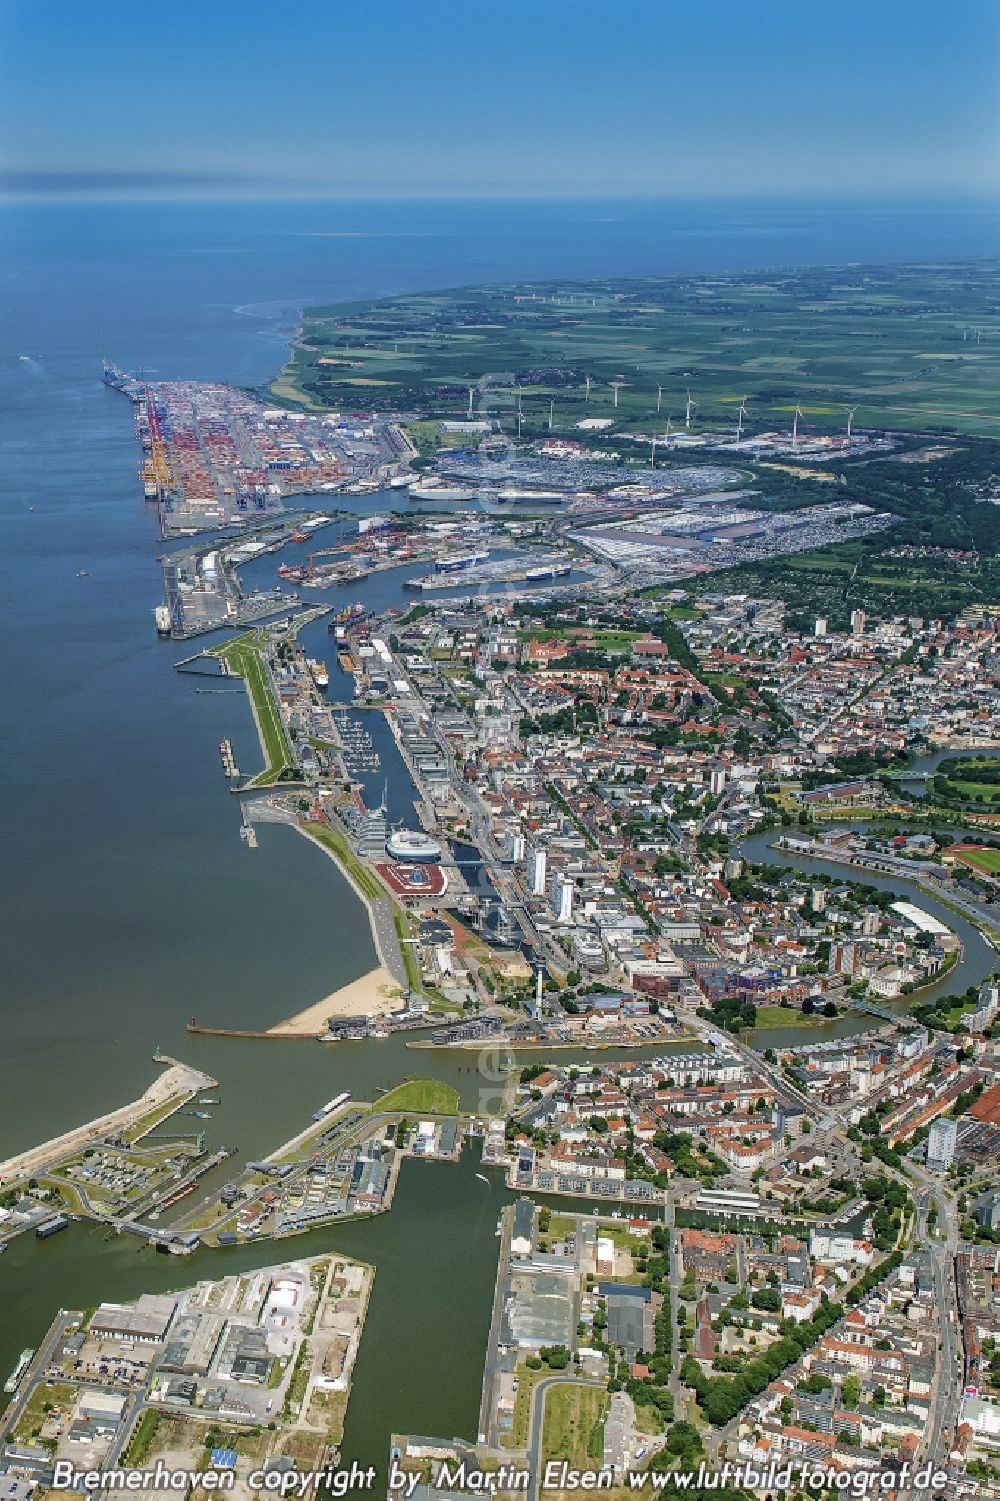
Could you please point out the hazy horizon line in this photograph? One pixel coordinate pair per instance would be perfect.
(190, 187)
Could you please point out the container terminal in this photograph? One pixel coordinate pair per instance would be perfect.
(215, 456)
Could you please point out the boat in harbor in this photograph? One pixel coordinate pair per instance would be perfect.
(23, 1362)
(332, 1105)
(549, 571)
(454, 565)
(440, 492)
(51, 1227)
(162, 617)
(349, 613)
(320, 674)
(513, 496)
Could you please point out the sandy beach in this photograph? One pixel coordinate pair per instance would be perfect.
(369, 995)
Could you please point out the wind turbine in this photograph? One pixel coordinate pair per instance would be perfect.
(552, 405)
(689, 408)
(850, 420)
(472, 391)
(739, 418)
(587, 397)
(795, 425)
(659, 398)
(616, 386)
(652, 452)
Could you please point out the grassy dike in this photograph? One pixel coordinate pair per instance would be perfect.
(421, 1097)
(245, 659)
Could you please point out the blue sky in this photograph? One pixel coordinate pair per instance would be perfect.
(502, 97)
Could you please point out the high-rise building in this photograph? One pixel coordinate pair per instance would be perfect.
(843, 959)
(820, 627)
(818, 899)
(858, 618)
(718, 780)
(941, 1141)
(537, 868)
(562, 899)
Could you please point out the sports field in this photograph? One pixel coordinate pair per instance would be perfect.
(986, 860)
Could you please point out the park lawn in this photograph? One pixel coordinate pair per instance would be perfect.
(422, 1097)
(615, 640)
(970, 791)
(573, 1425)
(983, 859)
(70, 1194)
(785, 1016)
(607, 640)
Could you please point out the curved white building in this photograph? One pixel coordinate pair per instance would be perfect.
(412, 846)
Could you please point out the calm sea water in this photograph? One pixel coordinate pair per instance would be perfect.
(127, 899)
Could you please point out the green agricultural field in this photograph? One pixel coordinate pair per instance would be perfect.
(899, 344)
(421, 1097)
